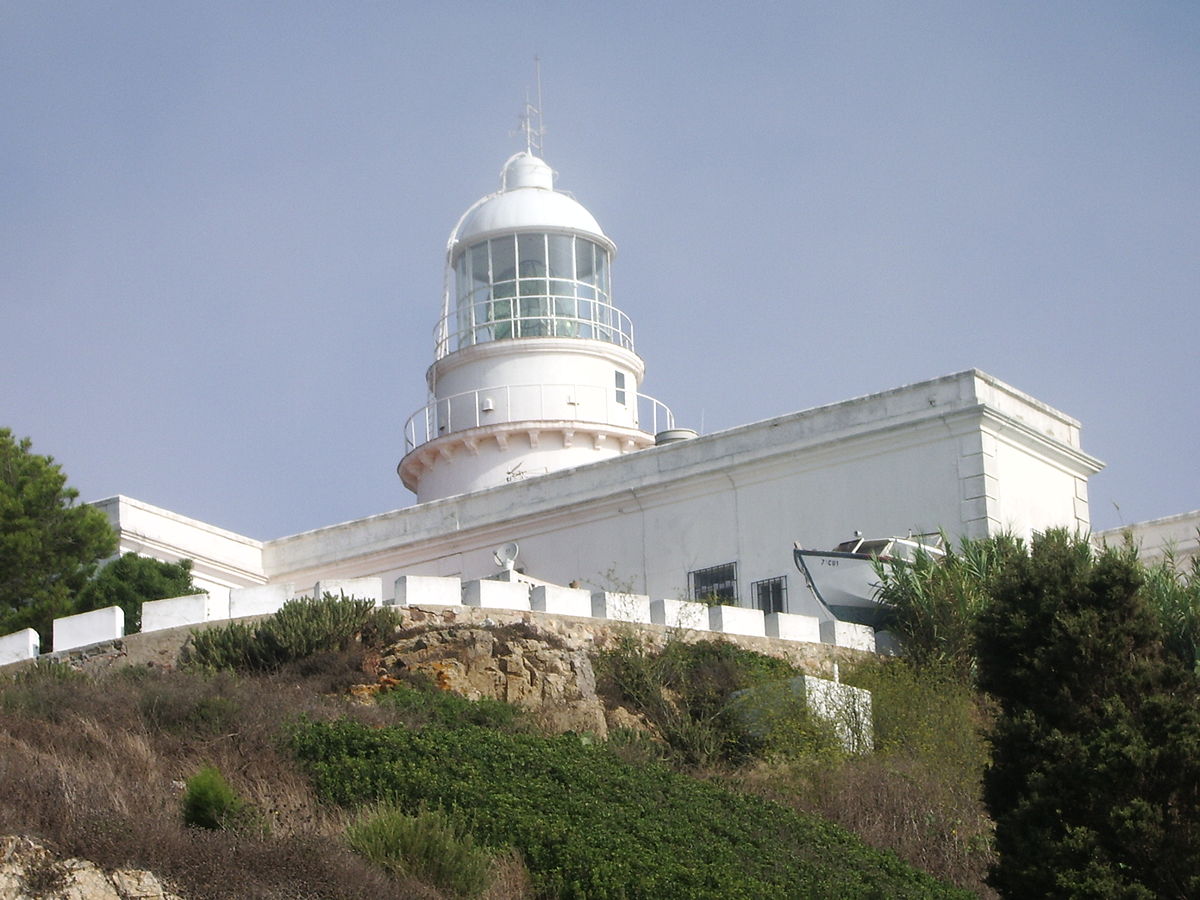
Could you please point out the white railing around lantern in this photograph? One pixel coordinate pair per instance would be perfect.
(532, 316)
(586, 404)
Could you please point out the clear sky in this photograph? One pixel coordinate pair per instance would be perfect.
(222, 224)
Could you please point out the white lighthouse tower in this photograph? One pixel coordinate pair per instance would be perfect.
(534, 368)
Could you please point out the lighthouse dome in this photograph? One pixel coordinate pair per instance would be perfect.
(534, 369)
(527, 201)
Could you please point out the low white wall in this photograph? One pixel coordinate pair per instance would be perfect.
(564, 601)
(263, 600)
(737, 620)
(19, 645)
(190, 610)
(496, 594)
(368, 588)
(428, 590)
(848, 634)
(848, 708)
(106, 624)
(791, 627)
(679, 614)
(621, 607)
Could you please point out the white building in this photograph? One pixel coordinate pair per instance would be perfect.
(1177, 537)
(535, 432)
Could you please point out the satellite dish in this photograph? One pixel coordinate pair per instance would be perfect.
(506, 555)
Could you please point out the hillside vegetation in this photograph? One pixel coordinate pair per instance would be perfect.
(256, 772)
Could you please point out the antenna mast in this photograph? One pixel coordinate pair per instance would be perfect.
(531, 116)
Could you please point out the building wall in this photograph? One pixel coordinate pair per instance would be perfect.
(963, 453)
(220, 559)
(1178, 535)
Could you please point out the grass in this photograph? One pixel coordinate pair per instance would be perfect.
(919, 793)
(97, 767)
(591, 825)
(427, 844)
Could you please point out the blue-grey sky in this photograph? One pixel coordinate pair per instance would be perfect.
(222, 224)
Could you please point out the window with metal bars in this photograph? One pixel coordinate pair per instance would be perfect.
(770, 594)
(716, 584)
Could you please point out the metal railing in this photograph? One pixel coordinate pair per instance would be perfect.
(586, 404)
(533, 316)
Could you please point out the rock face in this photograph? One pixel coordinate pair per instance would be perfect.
(29, 871)
(518, 662)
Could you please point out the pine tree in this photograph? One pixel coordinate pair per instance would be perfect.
(49, 546)
(1094, 784)
(131, 580)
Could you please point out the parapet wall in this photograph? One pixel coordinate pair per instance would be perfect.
(495, 603)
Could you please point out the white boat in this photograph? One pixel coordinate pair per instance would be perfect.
(844, 579)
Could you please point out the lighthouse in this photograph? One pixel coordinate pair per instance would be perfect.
(534, 365)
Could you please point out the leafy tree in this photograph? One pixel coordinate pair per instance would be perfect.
(1094, 784)
(132, 580)
(49, 546)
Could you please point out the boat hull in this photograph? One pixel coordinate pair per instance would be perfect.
(845, 583)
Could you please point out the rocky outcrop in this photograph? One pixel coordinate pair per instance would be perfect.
(544, 662)
(30, 871)
(519, 663)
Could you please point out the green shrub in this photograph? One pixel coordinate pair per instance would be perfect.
(1095, 768)
(775, 721)
(427, 845)
(935, 602)
(131, 580)
(920, 792)
(301, 628)
(591, 826)
(924, 712)
(418, 707)
(209, 801)
(636, 747)
(685, 690)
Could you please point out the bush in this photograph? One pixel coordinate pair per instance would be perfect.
(589, 825)
(201, 709)
(926, 713)
(132, 580)
(775, 721)
(920, 793)
(1095, 774)
(685, 689)
(934, 602)
(300, 629)
(418, 707)
(428, 845)
(209, 801)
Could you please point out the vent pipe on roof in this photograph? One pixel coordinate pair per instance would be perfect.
(674, 436)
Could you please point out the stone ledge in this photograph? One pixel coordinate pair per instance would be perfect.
(161, 649)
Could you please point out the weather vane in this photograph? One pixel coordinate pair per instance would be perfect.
(531, 116)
